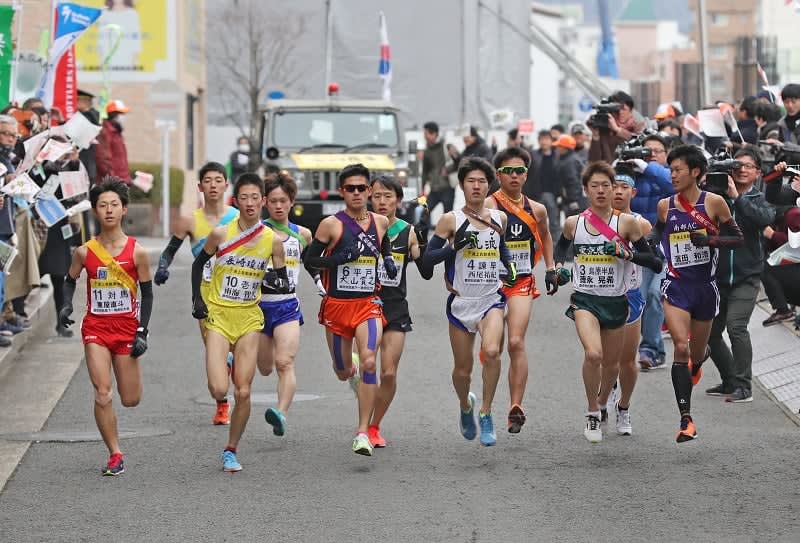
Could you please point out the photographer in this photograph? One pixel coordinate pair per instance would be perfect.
(612, 125)
(738, 276)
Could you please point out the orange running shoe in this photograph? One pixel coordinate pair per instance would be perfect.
(375, 437)
(697, 372)
(516, 418)
(688, 431)
(221, 417)
(481, 358)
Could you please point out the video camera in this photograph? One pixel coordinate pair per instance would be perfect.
(634, 148)
(720, 166)
(773, 153)
(599, 119)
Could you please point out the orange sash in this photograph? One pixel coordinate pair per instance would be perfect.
(525, 217)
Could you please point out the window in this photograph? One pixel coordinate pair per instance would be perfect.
(719, 19)
(718, 51)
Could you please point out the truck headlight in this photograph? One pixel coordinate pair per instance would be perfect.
(402, 177)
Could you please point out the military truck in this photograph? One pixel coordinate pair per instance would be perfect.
(315, 139)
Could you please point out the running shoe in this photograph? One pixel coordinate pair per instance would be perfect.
(718, 390)
(603, 414)
(488, 437)
(624, 427)
(361, 444)
(592, 432)
(647, 363)
(778, 317)
(275, 419)
(740, 395)
(355, 378)
(115, 465)
(688, 431)
(696, 371)
(221, 417)
(229, 462)
(229, 362)
(467, 420)
(516, 419)
(375, 437)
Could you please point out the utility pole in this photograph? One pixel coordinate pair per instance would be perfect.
(701, 17)
(328, 44)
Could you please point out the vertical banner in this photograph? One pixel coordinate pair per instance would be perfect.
(6, 51)
(65, 90)
(385, 65)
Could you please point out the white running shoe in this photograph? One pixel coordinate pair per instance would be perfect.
(613, 398)
(624, 427)
(592, 432)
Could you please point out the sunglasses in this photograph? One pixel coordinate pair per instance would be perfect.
(354, 188)
(519, 170)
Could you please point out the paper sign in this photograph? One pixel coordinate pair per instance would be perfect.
(32, 147)
(50, 187)
(7, 255)
(50, 210)
(711, 123)
(67, 231)
(73, 183)
(21, 186)
(796, 186)
(80, 207)
(143, 180)
(3, 169)
(81, 131)
(53, 150)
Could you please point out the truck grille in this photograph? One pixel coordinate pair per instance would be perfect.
(329, 179)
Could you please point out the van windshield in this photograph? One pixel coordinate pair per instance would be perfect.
(296, 129)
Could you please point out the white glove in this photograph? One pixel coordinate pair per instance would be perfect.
(638, 164)
(320, 287)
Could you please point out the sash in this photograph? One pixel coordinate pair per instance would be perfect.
(241, 239)
(288, 231)
(698, 216)
(524, 216)
(491, 224)
(396, 228)
(602, 226)
(117, 272)
(356, 230)
(224, 221)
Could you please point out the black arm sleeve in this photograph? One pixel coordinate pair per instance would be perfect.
(69, 289)
(438, 250)
(644, 256)
(386, 247)
(730, 236)
(146, 306)
(169, 252)
(561, 248)
(505, 254)
(314, 259)
(197, 272)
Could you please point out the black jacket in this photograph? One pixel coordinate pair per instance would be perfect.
(752, 213)
(569, 170)
(536, 184)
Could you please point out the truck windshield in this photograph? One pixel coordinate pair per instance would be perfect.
(345, 128)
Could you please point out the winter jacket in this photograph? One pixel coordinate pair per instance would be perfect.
(749, 131)
(789, 129)
(433, 160)
(478, 148)
(111, 154)
(569, 170)
(752, 213)
(542, 176)
(652, 185)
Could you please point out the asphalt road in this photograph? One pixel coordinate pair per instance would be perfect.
(738, 482)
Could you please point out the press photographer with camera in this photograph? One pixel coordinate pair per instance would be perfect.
(612, 124)
(739, 272)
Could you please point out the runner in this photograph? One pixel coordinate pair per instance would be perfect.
(386, 194)
(233, 319)
(213, 184)
(280, 339)
(598, 304)
(527, 238)
(347, 248)
(114, 329)
(469, 242)
(691, 226)
(624, 366)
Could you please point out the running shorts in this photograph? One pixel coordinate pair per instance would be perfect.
(525, 286)
(343, 315)
(610, 311)
(635, 305)
(234, 322)
(700, 300)
(281, 312)
(115, 334)
(395, 312)
(467, 313)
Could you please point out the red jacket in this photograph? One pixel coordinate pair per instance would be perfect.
(111, 154)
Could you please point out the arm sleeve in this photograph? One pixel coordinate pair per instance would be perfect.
(643, 255)
(655, 235)
(69, 290)
(197, 272)
(730, 236)
(314, 260)
(146, 306)
(438, 250)
(756, 210)
(661, 176)
(561, 248)
(505, 254)
(169, 252)
(386, 247)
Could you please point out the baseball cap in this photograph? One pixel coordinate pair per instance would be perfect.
(566, 141)
(117, 106)
(577, 127)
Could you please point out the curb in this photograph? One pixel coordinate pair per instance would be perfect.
(42, 313)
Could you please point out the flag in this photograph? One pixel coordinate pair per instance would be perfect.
(65, 89)
(72, 20)
(6, 51)
(385, 66)
(762, 74)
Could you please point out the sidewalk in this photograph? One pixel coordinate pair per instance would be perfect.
(42, 314)
(776, 361)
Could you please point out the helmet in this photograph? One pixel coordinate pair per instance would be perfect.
(116, 106)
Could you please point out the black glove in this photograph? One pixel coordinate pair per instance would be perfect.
(617, 249)
(551, 281)
(199, 309)
(511, 274)
(161, 276)
(564, 276)
(63, 316)
(346, 254)
(462, 238)
(390, 266)
(139, 343)
(698, 239)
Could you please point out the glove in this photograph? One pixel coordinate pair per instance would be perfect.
(347, 254)
(161, 276)
(511, 277)
(199, 309)
(617, 249)
(139, 343)
(551, 281)
(564, 276)
(639, 165)
(320, 287)
(390, 266)
(63, 316)
(699, 240)
(463, 238)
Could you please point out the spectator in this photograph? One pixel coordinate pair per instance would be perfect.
(781, 278)
(111, 153)
(8, 138)
(582, 137)
(746, 119)
(86, 108)
(475, 146)
(556, 131)
(765, 97)
(767, 117)
(543, 185)
(242, 158)
(434, 171)
(622, 125)
(789, 124)
(738, 281)
(568, 172)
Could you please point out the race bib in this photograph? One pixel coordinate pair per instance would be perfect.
(357, 276)
(399, 259)
(596, 272)
(481, 266)
(109, 298)
(521, 255)
(684, 253)
(292, 270)
(241, 285)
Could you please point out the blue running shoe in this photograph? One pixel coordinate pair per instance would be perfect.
(229, 462)
(488, 437)
(467, 421)
(229, 361)
(275, 419)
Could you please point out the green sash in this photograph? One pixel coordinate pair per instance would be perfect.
(288, 231)
(396, 228)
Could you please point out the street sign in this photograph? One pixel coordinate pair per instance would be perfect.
(585, 104)
(166, 98)
(525, 126)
